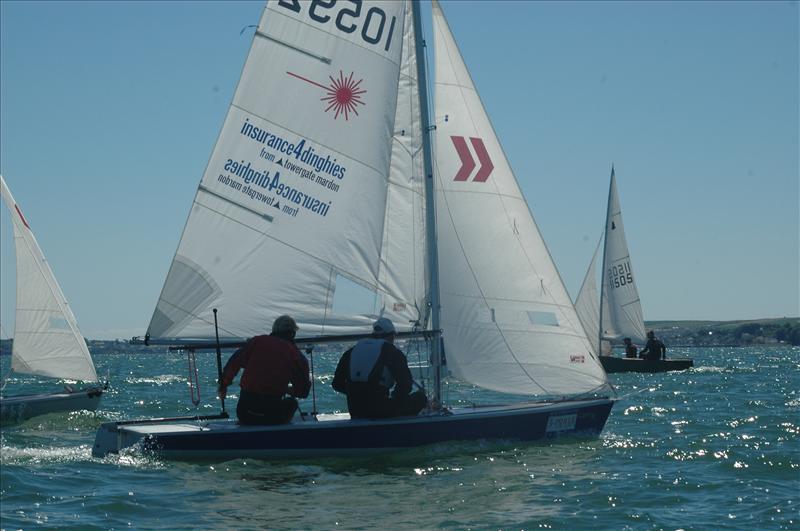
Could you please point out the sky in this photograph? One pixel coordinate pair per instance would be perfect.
(109, 112)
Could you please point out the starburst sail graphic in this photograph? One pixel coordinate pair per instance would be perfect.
(343, 95)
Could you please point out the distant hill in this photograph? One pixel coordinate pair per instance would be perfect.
(785, 330)
(782, 331)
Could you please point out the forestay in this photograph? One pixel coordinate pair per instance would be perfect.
(508, 322)
(587, 304)
(47, 341)
(622, 316)
(315, 176)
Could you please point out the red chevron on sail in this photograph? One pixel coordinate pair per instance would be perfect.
(483, 157)
(468, 161)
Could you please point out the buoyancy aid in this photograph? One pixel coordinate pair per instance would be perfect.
(363, 359)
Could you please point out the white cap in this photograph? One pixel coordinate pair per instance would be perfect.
(383, 326)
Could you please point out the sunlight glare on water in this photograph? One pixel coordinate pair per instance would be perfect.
(713, 447)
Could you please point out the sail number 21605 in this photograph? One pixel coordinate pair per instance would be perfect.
(348, 19)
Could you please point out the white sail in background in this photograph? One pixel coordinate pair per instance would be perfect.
(47, 341)
(587, 303)
(298, 191)
(588, 307)
(622, 315)
(509, 324)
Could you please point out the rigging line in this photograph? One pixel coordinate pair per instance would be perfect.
(6, 379)
(491, 194)
(600, 388)
(259, 33)
(591, 274)
(327, 298)
(633, 393)
(628, 256)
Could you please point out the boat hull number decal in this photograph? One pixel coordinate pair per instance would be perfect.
(561, 422)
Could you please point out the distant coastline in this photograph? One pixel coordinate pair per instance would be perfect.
(744, 333)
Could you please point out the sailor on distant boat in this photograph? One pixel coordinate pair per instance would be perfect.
(370, 370)
(630, 348)
(270, 364)
(654, 349)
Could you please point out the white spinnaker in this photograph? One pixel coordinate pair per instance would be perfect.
(509, 324)
(622, 317)
(47, 341)
(311, 126)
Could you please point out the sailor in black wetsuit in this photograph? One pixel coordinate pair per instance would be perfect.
(630, 348)
(654, 349)
(370, 370)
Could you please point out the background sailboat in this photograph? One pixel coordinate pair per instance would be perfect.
(47, 341)
(332, 183)
(617, 312)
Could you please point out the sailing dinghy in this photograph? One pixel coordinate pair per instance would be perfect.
(47, 341)
(324, 173)
(617, 312)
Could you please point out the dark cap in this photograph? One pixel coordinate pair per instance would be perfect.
(383, 327)
(283, 325)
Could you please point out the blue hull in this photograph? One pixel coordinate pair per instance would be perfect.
(335, 435)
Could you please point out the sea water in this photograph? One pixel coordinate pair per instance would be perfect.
(715, 447)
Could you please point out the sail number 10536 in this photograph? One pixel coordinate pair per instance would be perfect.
(620, 275)
(349, 18)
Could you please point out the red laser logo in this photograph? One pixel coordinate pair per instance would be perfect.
(342, 96)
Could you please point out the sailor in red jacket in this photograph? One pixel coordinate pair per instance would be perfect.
(273, 367)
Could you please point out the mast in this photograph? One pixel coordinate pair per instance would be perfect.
(430, 208)
(603, 266)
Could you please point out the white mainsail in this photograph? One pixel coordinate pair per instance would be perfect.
(509, 324)
(622, 310)
(47, 341)
(298, 190)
